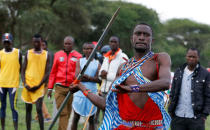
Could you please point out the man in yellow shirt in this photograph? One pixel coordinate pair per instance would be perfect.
(34, 74)
(46, 114)
(10, 66)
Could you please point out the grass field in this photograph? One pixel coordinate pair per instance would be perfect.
(34, 124)
(21, 112)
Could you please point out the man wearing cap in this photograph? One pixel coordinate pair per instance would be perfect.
(62, 75)
(10, 66)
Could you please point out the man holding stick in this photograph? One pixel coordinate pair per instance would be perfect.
(136, 100)
(81, 105)
(112, 60)
(84, 68)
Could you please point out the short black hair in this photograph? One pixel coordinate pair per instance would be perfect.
(69, 37)
(116, 37)
(89, 43)
(194, 49)
(37, 36)
(143, 23)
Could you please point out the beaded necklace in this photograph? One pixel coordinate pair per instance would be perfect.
(132, 63)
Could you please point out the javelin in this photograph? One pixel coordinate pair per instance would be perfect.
(85, 67)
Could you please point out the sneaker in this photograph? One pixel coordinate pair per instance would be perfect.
(48, 120)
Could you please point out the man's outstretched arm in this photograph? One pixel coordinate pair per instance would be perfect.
(94, 98)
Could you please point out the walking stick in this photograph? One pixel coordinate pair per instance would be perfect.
(88, 117)
(85, 67)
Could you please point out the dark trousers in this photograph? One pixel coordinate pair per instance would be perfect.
(181, 123)
(12, 98)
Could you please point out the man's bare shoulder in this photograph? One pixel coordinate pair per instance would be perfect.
(163, 57)
(163, 54)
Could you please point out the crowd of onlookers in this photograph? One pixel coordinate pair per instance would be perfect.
(42, 71)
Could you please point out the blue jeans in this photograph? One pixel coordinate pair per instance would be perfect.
(13, 98)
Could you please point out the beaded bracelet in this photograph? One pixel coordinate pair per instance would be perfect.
(135, 88)
(86, 92)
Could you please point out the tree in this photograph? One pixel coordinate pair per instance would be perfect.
(53, 19)
(3, 21)
(182, 34)
(130, 14)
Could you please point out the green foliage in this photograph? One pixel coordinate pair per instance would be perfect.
(3, 20)
(130, 14)
(53, 21)
(37, 20)
(182, 34)
(85, 20)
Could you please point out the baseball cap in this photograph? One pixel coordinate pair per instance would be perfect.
(105, 49)
(7, 37)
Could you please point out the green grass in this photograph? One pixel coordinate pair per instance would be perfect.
(208, 124)
(22, 114)
(35, 124)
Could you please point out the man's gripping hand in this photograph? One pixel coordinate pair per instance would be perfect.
(122, 89)
(33, 89)
(74, 88)
(27, 87)
(103, 74)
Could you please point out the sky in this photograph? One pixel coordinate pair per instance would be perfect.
(196, 10)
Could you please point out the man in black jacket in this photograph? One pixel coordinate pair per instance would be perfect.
(190, 94)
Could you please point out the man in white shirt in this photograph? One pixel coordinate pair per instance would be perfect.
(112, 60)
